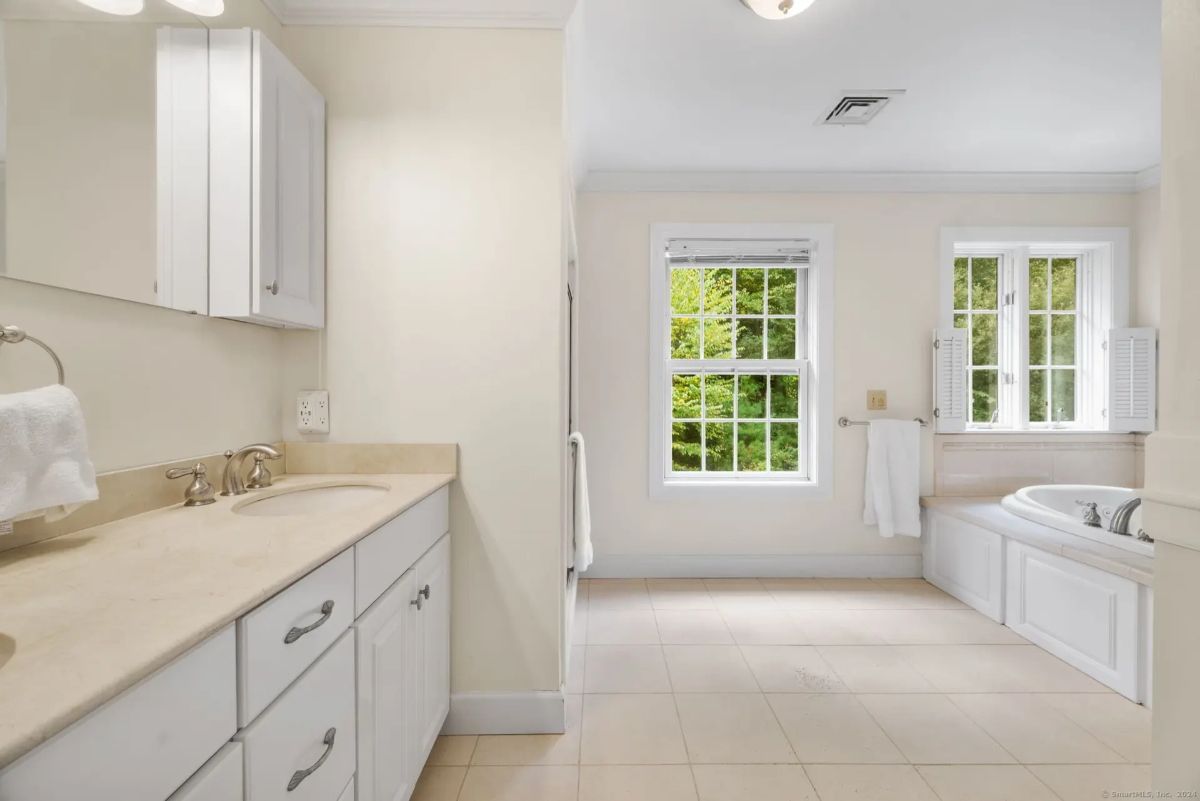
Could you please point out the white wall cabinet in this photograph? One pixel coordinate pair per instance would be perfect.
(334, 708)
(267, 185)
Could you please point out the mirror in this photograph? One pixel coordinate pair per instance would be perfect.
(96, 111)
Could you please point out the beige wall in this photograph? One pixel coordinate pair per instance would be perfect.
(1147, 254)
(1173, 453)
(887, 296)
(445, 154)
(156, 385)
(81, 188)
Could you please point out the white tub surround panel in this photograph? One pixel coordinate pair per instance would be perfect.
(1088, 603)
(1085, 616)
(146, 589)
(966, 561)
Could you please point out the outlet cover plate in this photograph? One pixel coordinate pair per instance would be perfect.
(312, 411)
(876, 400)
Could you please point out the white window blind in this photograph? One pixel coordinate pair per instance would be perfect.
(950, 380)
(1132, 369)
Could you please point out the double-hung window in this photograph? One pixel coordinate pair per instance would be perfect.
(1032, 334)
(735, 357)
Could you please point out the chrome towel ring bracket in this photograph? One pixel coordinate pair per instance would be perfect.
(11, 334)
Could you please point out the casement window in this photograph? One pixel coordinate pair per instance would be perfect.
(740, 337)
(1032, 334)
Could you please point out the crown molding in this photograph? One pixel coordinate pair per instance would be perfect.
(1149, 177)
(950, 182)
(368, 14)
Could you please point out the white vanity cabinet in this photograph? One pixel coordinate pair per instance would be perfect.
(305, 698)
(405, 634)
(266, 185)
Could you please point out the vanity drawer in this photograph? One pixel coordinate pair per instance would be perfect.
(312, 613)
(219, 780)
(306, 739)
(384, 555)
(145, 743)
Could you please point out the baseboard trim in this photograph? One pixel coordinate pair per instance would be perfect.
(755, 566)
(531, 712)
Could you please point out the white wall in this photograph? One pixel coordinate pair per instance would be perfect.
(445, 165)
(887, 294)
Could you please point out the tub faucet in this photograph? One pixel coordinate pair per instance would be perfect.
(1119, 524)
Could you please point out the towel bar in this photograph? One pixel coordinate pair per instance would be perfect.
(846, 422)
(12, 335)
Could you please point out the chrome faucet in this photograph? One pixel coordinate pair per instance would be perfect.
(231, 479)
(1119, 524)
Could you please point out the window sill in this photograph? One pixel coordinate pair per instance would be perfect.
(692, 489)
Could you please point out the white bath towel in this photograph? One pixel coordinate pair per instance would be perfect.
(892, 493)
(583, 509)
(44, 464)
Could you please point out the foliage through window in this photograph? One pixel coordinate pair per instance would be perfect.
(737, 366)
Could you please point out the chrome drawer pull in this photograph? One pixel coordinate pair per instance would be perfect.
(296, 633)
(301, 775)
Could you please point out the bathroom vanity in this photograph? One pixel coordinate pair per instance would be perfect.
(224, 653)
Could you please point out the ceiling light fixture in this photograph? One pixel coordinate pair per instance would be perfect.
(124, 8)
(777, 9)
(201, 8)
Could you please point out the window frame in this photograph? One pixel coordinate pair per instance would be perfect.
(815, 368)
(1102, 303)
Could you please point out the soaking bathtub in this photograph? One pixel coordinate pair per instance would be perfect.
(1057, 506)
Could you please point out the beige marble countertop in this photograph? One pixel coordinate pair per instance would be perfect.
(87, 615)
(988, 513)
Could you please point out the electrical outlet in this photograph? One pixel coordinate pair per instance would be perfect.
(876, 400)
(312, 411)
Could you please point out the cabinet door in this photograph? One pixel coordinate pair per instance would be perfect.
(288, 191)
(433, 624)
(386, 641)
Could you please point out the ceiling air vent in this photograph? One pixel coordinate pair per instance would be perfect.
(858, 108)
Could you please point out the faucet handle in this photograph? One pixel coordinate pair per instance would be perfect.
(260, 476)
(199, 492)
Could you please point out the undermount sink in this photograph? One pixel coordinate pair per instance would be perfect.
(312, 500)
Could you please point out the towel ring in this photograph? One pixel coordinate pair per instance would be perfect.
(12, 335)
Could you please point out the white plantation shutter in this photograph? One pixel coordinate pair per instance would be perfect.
(950, 380)
(1132, 376)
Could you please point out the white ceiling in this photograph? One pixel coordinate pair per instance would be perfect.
(688, 86)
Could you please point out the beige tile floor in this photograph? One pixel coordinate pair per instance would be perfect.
(805, 690)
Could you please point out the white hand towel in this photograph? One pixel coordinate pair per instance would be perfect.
(893, 487)
(44, 463)
(583, 508)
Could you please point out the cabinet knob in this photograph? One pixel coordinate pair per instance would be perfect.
(424, 591)
(273, 287)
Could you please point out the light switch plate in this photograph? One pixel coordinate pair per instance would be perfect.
(876, 400)
(312, 411)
